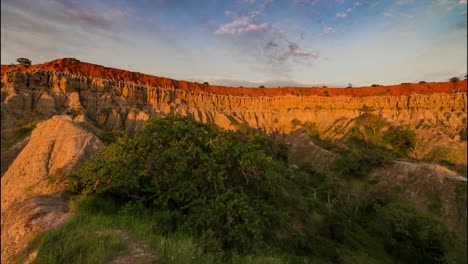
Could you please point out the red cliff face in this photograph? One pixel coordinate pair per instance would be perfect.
(76, 67)
(118, 99)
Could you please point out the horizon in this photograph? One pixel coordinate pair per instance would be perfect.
(250, 85)
(248, 42)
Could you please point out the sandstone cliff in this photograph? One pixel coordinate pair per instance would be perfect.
(118, 99)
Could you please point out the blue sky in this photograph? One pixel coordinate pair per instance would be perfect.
(247, 42)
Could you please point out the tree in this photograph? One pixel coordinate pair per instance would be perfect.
(24, 61)
(206, 83)
(349, 85)
(365, 109)
(261, 86)
(402, 139)
(454, 79)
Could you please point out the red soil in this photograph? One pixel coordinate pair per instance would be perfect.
(74, 66)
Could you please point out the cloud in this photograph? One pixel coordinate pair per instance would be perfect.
(341, 15)
(328, 30)
(358, 4)
(261, 2)
(305, 2)
(293, 50)
(241, 25)
(403, 2)
(271, 46)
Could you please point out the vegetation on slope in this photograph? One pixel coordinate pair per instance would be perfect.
(203, 195)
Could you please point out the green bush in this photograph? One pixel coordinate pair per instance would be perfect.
(226, 193)
(221, 182)
(402, 139)
(359, 162)
(412, 236)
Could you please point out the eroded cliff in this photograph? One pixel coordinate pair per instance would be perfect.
(118, 99)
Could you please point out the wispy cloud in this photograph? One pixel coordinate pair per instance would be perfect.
(271, 43)
(403, 2)
(341, 15)
(240, 25)
(328, 30)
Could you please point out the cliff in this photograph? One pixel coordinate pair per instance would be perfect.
(118, 99)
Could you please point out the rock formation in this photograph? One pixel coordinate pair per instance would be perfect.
(31, 199)
(22, 220)
(117, 99)
(56, 145)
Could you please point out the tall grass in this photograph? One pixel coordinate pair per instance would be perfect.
(94, 235)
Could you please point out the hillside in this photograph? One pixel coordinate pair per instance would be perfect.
(121, 100)
(202, 170)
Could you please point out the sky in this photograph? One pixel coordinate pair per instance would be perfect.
(247, 42)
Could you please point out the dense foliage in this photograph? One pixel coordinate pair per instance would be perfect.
(212, 179)
(401, 139)
(236, 193)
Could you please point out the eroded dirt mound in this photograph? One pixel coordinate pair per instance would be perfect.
(303, 151)
(429, 187)
(9, 155)
(56, 145)
(23, 220)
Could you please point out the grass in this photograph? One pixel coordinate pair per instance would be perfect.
(91, 237)
(23, 132)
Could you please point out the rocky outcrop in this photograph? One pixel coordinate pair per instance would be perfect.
(31, 187)
(56, 145)
(117, 99)
(21, 221)
(124, 105)
(10, 154)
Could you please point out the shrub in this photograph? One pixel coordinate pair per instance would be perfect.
(375, 85)
(421, 82)
(359, 162)
(412, 236)
(261, 86)
(223, 183)
(295, 122)
(365, 109)
(454, 79)
(206, 83)
(402, 139)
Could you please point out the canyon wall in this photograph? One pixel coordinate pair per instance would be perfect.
(124, 105)
(115, 99)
